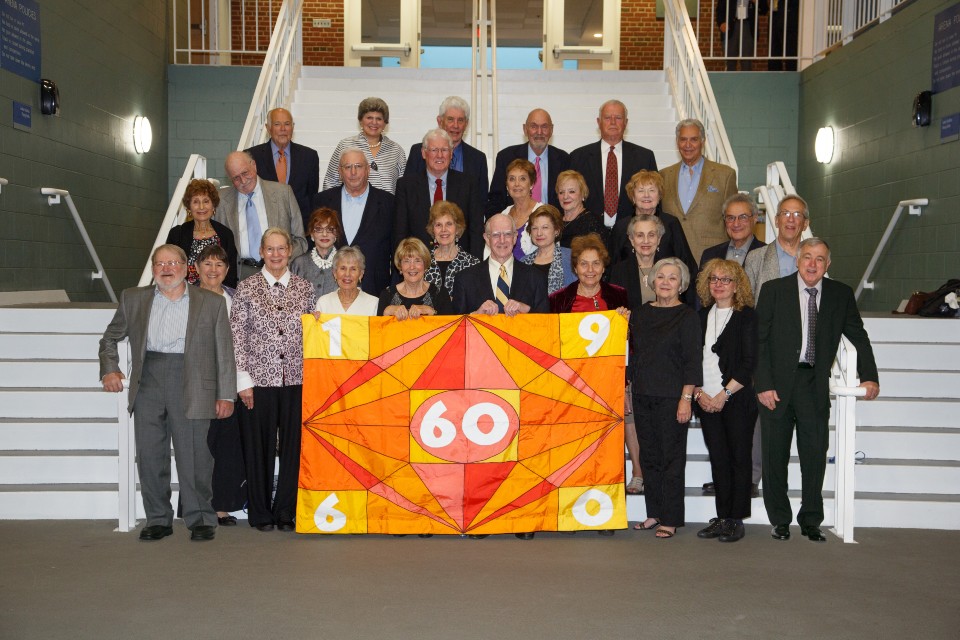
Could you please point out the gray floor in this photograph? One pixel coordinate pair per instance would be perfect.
(79, 579)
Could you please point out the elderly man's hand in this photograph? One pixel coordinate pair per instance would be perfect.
(513, 307)
(873, 390)
(769, 399)
(224, 409)
(489, 308)
(113, 382)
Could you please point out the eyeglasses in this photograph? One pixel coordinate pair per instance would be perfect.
(501, 235)
(325, 231)
(791, 214)
(441, 151)
(722, 280)
(356, 166)
(743, 217)
(167, 263)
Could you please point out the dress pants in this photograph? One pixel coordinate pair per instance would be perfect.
(229, 479)
(810, 415)
(159, 417)
(275, 410)
(663, 442)
(729, 439)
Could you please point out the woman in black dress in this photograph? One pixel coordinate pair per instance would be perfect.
(572, 191)
(446, 225)
(414, 296)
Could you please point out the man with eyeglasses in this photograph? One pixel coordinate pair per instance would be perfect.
(779, 259)
(250, 206)
(454, 118)
(695, 188)
(417, 191)
(548, 160)
(182, 375)
(366, 214)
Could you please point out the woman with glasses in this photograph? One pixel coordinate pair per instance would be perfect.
(726, 403)
(268, 344)
(316, 265)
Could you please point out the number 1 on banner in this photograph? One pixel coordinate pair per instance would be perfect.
(334, 327)
(596, 329)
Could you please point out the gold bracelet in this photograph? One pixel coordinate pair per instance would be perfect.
(686, 397)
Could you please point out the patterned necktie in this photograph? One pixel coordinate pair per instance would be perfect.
(611, 189)
(438, 194)
(254, 232)
(281, 167)
(503, 288)
(811, 352)
(538, 185)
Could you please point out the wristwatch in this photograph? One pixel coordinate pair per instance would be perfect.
(687, 397)
(729, 393)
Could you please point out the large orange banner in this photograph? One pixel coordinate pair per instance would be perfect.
(462, 424)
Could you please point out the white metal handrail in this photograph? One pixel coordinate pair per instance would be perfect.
(214, 25)
(278, 76)
(3, 183)
(914, 207)
(837, 22)
(126, 448)
(690, 83)
(196, 168)
(770, 194)
(844, 384)
(53, 197)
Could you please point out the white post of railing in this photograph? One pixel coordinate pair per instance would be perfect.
(3, 183)
(126, 448)
(844, 384)
(914, 206)
(53, 197)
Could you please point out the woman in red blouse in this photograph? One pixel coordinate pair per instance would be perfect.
(589, 258)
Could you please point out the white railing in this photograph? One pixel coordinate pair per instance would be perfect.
(844, 384)
(3, 183)
(485, 118)
(914, 207)
(203, 30)
(770, 194)
(126, 448)
(778, 41)
(689, 83)
(278, 76)
(53, 197)
(196, 168)
(837, 22)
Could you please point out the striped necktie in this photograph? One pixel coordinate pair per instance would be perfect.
(503, 288)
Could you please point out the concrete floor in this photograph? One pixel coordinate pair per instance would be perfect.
(79, 579)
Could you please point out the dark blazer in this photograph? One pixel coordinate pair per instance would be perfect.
(413, 203)
(561, 300)
(780, 336)
(736, 346)
(374, 237)
(304, 176)
(182, 236)
(720, 251)
(558, 161)
(587, 161)
(474, 164)
(472, 287)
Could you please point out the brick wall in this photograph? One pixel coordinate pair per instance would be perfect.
(252, 28)
(641, 35)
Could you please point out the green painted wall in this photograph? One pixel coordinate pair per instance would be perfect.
(207, 109)
(865, 91)
(109, 59)
(760, 112)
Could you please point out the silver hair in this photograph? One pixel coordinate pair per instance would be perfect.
(276, 231)
(646, 217)
(353, 150)
(454, 102)
(181, 254)
(349, 253)
(513, 223)
(436, 133)
(608, 103)
(692, 122)
(813, 242)
(676, 262)
(793, 196)
(746, 199)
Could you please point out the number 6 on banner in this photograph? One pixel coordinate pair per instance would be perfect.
(334, 327)
(596, 329)
(328, 519)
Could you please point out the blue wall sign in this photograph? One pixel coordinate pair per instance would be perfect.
(20, 38)
(946, 49)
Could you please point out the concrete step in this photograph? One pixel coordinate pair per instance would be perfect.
(909, 412)
(59, 467)
(927, 356)
(73, 318)
(911, 383)
(50, 373)
(338, 74)
(70, 403)
(25, 434)
(910, 329)
(28, 346)
(911, 443)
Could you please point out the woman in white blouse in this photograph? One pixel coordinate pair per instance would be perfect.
(386, 158)
(348, 298)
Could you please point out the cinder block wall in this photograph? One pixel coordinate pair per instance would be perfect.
(865, 91)
(109, 60)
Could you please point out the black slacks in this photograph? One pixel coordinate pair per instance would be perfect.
(663, 443)
(729, 438)
(810, 416)
(229, 479)
(276, 410)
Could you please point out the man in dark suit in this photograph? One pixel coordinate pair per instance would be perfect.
(739, 219)
(183, 375)
(546, 158)
(299, 165)
(607, 180)
(417, 191)
(500, 284)
(801, 320)
(366, 215)
(454, 118)
(251, 206)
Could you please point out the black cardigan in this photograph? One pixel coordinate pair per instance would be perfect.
(182, 236)
(736, 346)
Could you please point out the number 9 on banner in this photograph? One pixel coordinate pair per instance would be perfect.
(585, 335)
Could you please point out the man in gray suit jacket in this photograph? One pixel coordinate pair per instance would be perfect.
(183, 375)
(779, 258)
(251, 206)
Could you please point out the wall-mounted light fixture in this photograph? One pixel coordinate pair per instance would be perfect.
(823, 147)
(142, 134)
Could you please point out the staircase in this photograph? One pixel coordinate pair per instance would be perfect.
(58, 430)
(325, 105)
